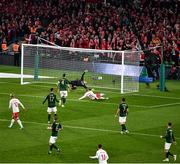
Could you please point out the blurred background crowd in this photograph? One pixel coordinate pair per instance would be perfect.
(94, 24)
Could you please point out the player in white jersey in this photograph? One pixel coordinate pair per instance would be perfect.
(93, 96)
(14, 105)
(101, 155)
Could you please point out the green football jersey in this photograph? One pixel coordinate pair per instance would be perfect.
(51, 100)
(55, 128)
(169, 136)
(63, 84)
(123, 109)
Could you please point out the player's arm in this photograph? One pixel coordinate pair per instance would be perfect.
(107, 157)
(93, 157)
(45, 99)
(117, 112)
(127, 110)
(21, 105)
(84, 96)
(10, 104)
(56, 99)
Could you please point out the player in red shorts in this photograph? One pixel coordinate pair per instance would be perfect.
(93, 96)
(14, 105)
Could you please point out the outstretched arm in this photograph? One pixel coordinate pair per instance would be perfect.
(82, 76)
(45, 99)
(84, 96)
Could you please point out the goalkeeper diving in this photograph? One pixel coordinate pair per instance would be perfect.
(79, 82)
(93, 96)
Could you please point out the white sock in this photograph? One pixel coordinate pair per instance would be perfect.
(12, 122)
(19, 122)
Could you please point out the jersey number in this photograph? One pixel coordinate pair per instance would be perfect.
(103, 157)
(51, 98)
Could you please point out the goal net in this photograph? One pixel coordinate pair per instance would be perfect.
(106, 69)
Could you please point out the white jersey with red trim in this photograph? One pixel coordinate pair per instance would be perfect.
(90, 95)
(102, 156)
(14, 104)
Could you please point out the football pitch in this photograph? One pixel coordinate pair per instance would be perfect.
(87, 123)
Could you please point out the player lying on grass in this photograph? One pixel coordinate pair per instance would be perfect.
(79, 82)
(93, 96)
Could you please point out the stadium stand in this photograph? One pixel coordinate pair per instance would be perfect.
(117, 25)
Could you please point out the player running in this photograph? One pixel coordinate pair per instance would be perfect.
(93, 96)
(14, 104)
(51, 97)
(56, 127)
(79, 82)
(169, 139)
(101, 155)
(63, 85)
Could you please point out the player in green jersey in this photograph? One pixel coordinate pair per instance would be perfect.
(122, 112)
(56, 127)
(51, 98)
(169, 139)
(63, 85)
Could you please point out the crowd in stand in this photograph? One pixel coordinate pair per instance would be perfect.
(116, 24)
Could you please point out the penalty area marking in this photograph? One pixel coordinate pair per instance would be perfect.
(90, 129)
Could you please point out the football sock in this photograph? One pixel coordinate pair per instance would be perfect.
(54, 146)
(63, 99)
(20, 124)
(170, 154)
(12, 122)
(167, 154)
(49, 117)
(123, 127)
(51, 147)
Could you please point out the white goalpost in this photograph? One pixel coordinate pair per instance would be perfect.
(106, 68)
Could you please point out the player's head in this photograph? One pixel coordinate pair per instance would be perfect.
(55, 118)
(123, 99)
(169, 124)
(51, 89)
(12, 95)
(64, 75)
(100, 146)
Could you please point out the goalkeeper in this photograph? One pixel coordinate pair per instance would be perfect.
(79, 82)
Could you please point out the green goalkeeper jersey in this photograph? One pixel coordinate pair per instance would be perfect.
(123, 109)
(51, 100)
(63, 84)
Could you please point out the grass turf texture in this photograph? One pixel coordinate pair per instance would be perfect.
(88, 123)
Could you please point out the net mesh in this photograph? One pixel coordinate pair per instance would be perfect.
(106, 69)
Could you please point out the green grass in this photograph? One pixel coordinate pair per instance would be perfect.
(88, 123)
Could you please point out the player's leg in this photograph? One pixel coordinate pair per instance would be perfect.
(122, 121)
(82, 76)
(20, 123)
(52, 145)
(166, 150)
(12, 121)
(64, 94)
(54, 110)
(168, 153)
(49, 111)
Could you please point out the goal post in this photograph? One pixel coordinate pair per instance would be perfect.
(106, 68)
